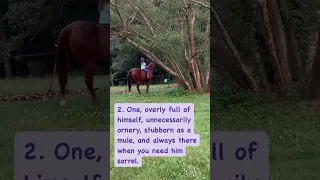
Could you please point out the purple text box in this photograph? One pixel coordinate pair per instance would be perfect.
(239, 156)
(152, 129)
(62, 155)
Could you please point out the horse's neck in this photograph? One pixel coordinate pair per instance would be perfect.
(150, 68)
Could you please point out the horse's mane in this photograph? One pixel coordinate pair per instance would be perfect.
(151, 64)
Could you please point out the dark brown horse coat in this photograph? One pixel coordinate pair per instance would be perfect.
(138, 75)
(87, 43)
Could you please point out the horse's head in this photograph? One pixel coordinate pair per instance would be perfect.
(152, 66)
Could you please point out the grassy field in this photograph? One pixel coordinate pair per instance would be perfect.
(78, 114)
(29, 85)
(293, 128)
(81, 114)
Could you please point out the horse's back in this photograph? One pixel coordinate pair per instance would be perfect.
(86, 42)
(85, 31)
(89, 40)
(138, 74)
(89, 28)
(77, 31)
(135, 71)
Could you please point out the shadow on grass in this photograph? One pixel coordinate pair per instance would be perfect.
(293, 129)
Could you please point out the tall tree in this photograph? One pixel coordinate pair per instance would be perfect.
(3, 38)
(180, 45)
(277, 37)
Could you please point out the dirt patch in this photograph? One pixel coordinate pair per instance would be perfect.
(142, 91)
(43, 96)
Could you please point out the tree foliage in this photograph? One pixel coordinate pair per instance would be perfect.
(28, 18)
(152, 27)
(277, 42)
(25, 21)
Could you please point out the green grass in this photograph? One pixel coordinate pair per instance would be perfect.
(81, 114)
(293, 128)
(30, 85)
(142, 87)
(195, 165)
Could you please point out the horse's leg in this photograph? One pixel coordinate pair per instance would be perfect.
(129, 81)
(63, 80)
(148, 83)
(89, 70)
(129, 90)
(138, 86)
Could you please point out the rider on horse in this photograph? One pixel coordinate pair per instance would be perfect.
(104, 9)
(144, 67)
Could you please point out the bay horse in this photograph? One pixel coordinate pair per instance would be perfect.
(87, 43)
(139, 75)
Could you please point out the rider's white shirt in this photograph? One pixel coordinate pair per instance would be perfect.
(143, 66)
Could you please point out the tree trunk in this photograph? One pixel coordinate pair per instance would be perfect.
(4, 52)
(278, 76)
(296, 59)
(192, 45)
(192, 80)
(154, 58)
(315, 80)
(312, 65)
(239, 63)
(280, 43)
(260, 68)
(184, 52)
(227, 68)
(255, 13)
(294, 54)
(313, 39)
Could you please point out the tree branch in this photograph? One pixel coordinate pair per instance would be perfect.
(190, 16)
(125, 24)
(200, 3)
(180, 72)
(251, 81)
(183, 49)
(152, 57)
(133, 16)
(142, 14)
